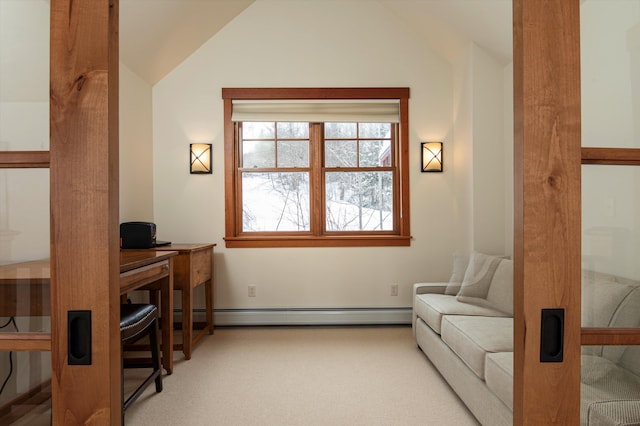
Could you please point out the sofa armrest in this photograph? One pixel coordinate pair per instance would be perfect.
(423, 288)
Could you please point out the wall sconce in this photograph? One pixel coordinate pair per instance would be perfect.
(431, 156)
(200, 158)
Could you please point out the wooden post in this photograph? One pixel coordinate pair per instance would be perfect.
(547, 206)
(84, 207)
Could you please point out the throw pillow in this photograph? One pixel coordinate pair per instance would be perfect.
(477, 278)
(460, 262)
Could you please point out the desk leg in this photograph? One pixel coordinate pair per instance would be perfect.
(166, 309)
(187, 321)
(208, 294)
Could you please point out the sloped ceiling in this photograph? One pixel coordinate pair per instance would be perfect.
(157, 35)
(449, 25)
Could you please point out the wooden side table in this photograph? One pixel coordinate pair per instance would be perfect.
(192, 267)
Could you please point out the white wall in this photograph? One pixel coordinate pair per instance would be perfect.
(488, 153)
(482, 161)
(271, 44)
(462, 150)
(136, 148)
(306, 44)
(508, 158)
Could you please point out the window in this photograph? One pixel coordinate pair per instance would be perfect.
(316, 167)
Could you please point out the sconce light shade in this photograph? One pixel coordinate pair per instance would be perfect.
(200, 158)
(431, 156)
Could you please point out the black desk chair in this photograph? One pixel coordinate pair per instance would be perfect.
(137, 321)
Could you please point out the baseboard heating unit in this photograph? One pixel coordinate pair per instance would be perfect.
(307, 316)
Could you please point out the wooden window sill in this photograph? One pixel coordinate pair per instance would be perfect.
(324, 241)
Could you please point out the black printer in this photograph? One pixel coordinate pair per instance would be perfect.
(139, 235)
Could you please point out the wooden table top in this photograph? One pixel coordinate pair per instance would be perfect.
(180, 247)
(132, 259)
(33, 272)
(39, 271)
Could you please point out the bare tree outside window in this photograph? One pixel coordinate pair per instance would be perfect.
(357, 196)
(358, 189)
(275, 196)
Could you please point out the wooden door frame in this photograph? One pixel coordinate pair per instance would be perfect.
(547, 206)
(84, 207)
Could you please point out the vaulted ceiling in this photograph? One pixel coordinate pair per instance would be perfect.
(156, 35)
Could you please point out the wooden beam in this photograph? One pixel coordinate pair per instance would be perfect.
(25, 342)
(24, 159)
(84, 207)
(611, 156)
(611, 336)
(547, 206)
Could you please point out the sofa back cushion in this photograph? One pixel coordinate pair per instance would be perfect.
(604, 300)
(460, 263)
(609, 301)
(630, 359)
(500, 295)
(488, 282)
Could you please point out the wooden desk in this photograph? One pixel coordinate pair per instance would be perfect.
(26, 278)
(146, 269)
(192, 267)
(151, 270)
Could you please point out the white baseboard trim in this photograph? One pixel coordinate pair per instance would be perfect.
(302, 316)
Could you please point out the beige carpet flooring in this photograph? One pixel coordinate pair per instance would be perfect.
(301, 376)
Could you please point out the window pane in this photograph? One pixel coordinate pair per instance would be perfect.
(340, 130)
(24, 294)
(375, 153)
(610, 226)
(24, 215)
(275, 202)
(340, 154)
(24, 76)
(258, 130)
(26, 394)
(375, 130)
(258, 154)
(359, 201)
(293, 130)
(610, 73)
(293, 153)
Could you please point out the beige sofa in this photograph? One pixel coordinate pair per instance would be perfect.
(466, 331)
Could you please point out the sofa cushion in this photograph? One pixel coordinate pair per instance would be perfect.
(626, 315)
(630, 359)
(498, 374)
(460, 262)
(432, 307)
(478, 277)
(608, 377)
(471, 338)
(609, 301)
(610, 394)
(614, 413)
(500, 295)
